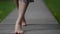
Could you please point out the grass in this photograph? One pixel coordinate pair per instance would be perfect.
(54, 6)
(6, 8)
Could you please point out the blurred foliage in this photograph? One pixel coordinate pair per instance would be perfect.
(6, 8)
(54, 6)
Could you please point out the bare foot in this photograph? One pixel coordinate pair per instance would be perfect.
(18, 30)
(19, 33)
(23, 23)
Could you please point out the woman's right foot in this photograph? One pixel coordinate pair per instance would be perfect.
(23, 23)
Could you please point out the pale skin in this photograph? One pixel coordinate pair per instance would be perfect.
(22, 6)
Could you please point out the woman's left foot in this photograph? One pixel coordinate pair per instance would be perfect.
(18, 29)
(19, 33)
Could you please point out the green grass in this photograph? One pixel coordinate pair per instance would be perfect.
(54, 6)
(6, 8)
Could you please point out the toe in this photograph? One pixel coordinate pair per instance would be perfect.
(16, 33)
(21, 33)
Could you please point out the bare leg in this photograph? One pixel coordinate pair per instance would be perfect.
(23, 19)
(22, 10)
